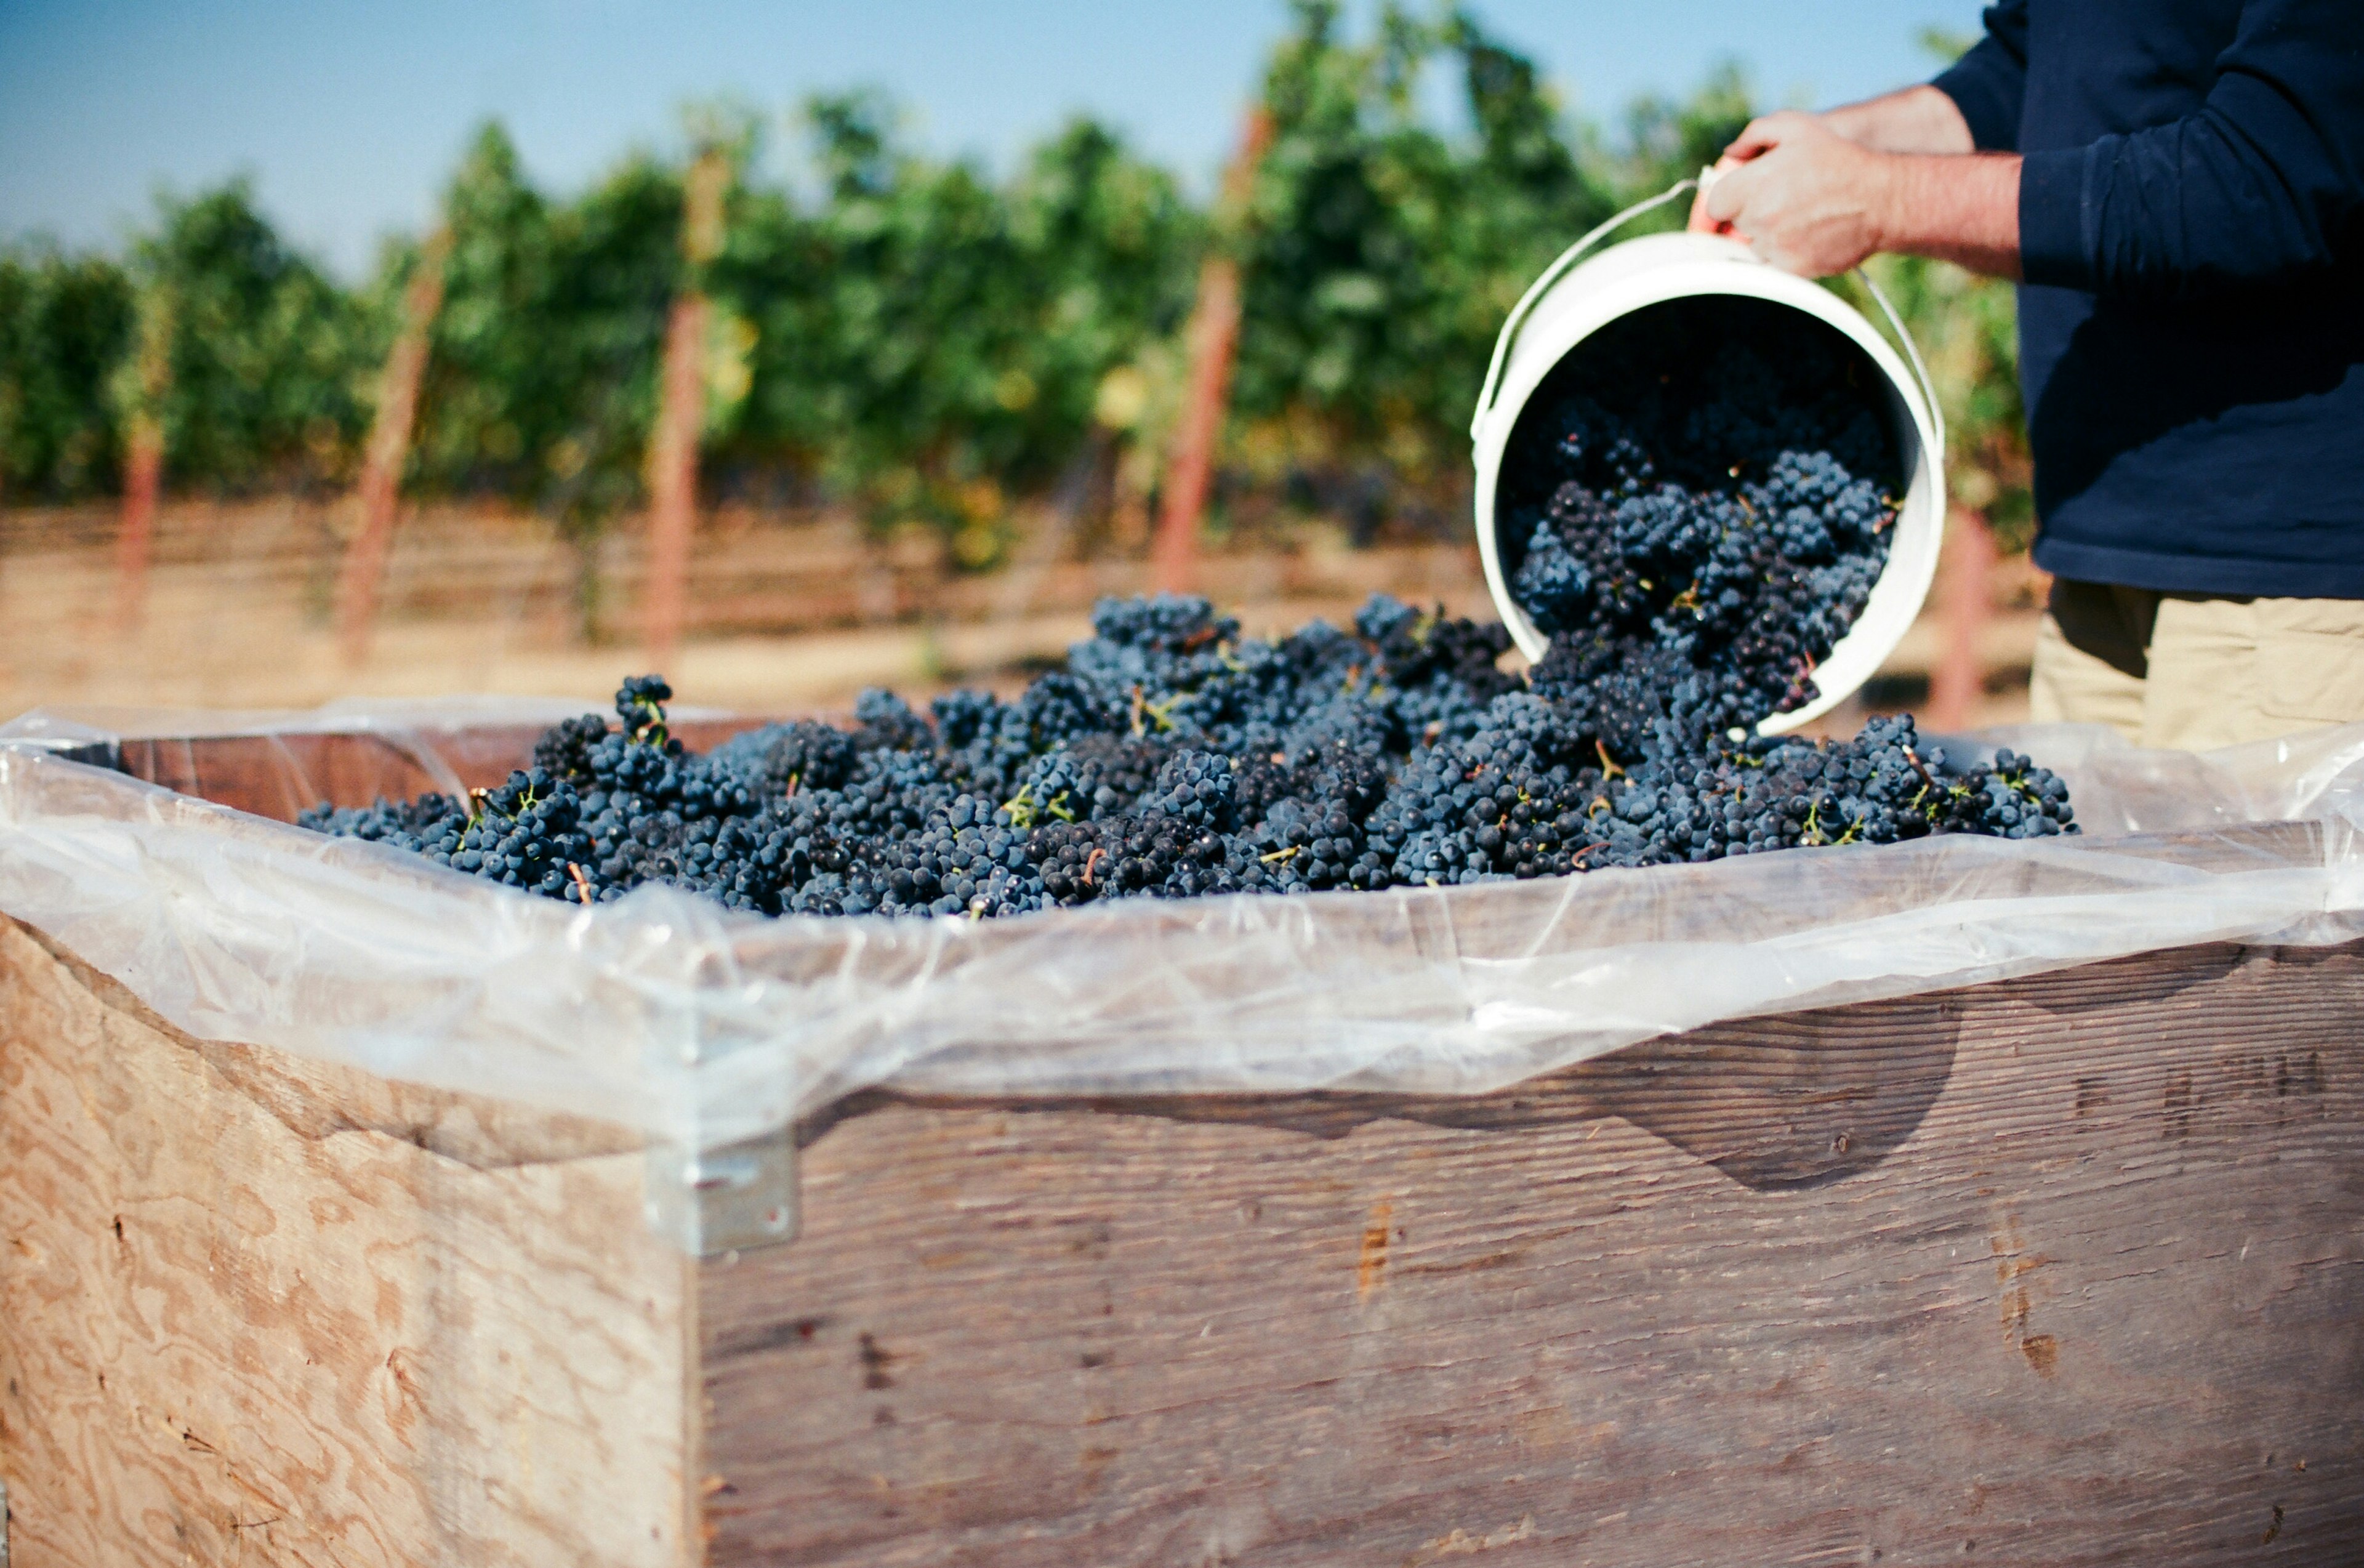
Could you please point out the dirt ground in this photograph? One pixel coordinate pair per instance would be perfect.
(789, 614)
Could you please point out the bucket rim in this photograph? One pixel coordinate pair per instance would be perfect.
(1657, 269)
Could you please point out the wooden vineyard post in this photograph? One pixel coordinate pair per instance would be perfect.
(144, 459)
(389, 449)
(681, 415)
(144, 470)
(1958, 684)
(1214, 337)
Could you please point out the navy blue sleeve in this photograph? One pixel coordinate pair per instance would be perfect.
(1990, 83)
(2265, 184)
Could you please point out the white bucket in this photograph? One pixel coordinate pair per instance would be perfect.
(1557, 316)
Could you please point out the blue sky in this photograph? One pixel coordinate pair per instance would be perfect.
(349, 115)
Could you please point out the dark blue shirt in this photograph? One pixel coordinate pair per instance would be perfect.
(2191, 326)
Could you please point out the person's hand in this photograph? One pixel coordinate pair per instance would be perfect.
(1800, 195)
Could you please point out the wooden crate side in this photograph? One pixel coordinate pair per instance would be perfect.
(257, 1311)
(2067, 1270)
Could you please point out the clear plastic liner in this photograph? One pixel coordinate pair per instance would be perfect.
(702, 1029)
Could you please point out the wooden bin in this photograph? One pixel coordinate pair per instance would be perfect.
(2060, 1270)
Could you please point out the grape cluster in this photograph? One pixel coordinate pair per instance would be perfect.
(526, 833)
(1695, 540)
(1174, 758)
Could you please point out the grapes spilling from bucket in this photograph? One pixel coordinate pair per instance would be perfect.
(1173, 757)
(1694, 508)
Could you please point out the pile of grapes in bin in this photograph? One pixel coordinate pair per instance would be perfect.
(1694, 516)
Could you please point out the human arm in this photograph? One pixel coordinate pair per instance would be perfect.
(1973, 106)
(1812, 202)
(1988, 85)
(2263, 184)
(1891, 174)
(1921, 120)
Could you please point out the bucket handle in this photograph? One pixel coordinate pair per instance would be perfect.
(1576, 253)
(1920, 371)
(1568, 258)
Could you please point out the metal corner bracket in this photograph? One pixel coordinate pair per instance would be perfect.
(733, 1198)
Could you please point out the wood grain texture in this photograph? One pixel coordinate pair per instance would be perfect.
(255, 1311)
(2067, 1270)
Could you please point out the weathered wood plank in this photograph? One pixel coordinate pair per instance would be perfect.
(256, 1311)
(2068, 1269)
(2061, 1271)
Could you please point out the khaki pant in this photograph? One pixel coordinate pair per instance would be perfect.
(2185, 670)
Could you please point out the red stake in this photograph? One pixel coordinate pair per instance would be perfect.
(681, 415)
(144, 475)
(1214, 337)
(389, 449)
(1958, 682)
(144, 459)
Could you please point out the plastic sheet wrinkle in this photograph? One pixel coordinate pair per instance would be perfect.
(702, 1029)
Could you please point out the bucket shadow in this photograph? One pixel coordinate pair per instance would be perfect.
(1796, 1101)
